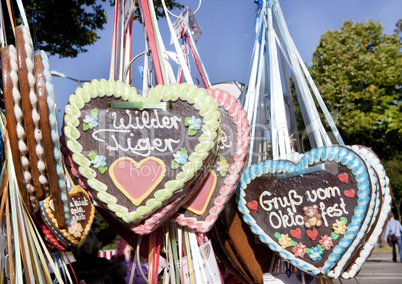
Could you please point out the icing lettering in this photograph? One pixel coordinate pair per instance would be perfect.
(120, 138)
(142, 147)
(77, 211)
(143, 121)
(279, 220)
(282, 210)
(79, 217)
(225, 141)
(332, 211)
(292, 200)
(323, 194)
(82, 202)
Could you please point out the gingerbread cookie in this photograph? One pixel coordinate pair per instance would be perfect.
(15, 127)
(369, 220)
(51, 143)
(82, 215)
(30, 113)
(255, 256)
(53, 241)
(140, 164)
(381, 211)
(272, 195)
(203, 209)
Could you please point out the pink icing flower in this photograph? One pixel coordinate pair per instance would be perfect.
(75, 229)
(326, 242)
(299, 250)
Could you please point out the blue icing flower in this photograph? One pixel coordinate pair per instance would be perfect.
(99, 161)
(180, 157)
(92, 121)
(194, 123)
(315, 253)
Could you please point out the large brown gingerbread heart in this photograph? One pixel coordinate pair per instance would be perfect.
(141, 164)
(310, 213)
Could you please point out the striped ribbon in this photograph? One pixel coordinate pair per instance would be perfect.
(268, 82)
(152, 41)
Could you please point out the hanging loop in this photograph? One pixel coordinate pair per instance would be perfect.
(164, 5)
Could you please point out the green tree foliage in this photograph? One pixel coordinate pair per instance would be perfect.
(358, 71)
(67, 27)
(398, 29)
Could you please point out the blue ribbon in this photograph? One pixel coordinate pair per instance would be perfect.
(141, 71)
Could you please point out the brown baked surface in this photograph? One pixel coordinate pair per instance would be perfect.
(47, 141)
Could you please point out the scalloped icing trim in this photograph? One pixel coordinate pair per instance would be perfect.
(44, 207)
(50, 238)
(203, 103)
(369, 220)
(22, 146)
(339, 155)
(39, 151)
(383, 214)
(55, 137)
(239, 115)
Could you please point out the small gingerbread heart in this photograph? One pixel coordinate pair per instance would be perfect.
(82, 213)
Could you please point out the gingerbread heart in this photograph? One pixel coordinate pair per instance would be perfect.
(82, 214)
(354, 259)
(140, 164)
(308, 196)
(212, 196)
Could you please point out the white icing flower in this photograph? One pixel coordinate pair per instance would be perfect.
(99, 161)
(194, 123)
(92, 121)
(180, 157)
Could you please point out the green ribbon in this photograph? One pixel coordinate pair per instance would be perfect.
(140, 105)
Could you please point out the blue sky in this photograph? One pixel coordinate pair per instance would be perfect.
(226, 44)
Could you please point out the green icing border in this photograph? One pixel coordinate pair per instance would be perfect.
(203, 103)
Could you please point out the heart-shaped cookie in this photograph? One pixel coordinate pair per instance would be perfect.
(50, 138)
(203, 209)
(140, 164)
(309, 196)
(367, 224)
(354, 259)
(82, 215)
